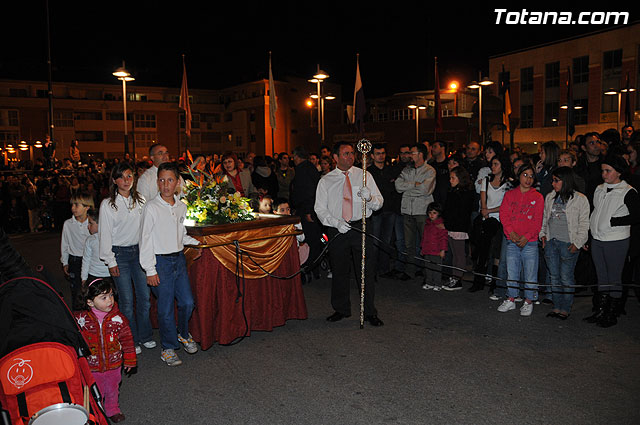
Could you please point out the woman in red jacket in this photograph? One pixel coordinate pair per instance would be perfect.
(108, 335)
(521, 214)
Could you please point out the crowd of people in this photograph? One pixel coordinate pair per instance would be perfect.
(520, 222)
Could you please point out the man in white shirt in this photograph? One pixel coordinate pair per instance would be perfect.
(338, 204)
(148, 183)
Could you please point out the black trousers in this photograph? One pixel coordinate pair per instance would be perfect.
(346, 252)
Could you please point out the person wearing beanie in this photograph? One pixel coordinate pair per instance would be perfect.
(616, 208)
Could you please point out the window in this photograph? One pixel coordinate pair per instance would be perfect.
(136, 97)
(119, 116)
(115, 136)
(612, 60)
(401, 114)
(611, 76)
(145, 121)
(8, 137)
(526, 116)
(238, 141)
(63, 119)
(89, 136)
(9, 118)
(551, 112)
(18, 92)
(581, 70)
(526, 79)
(580, 115)
(88, 115)
(552, 74)
(145, 139)
(208, 120)
(42, 93)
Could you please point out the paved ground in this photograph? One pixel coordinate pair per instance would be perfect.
(441, 358)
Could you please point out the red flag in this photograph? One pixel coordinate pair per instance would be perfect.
(184, 100)
(436, 93)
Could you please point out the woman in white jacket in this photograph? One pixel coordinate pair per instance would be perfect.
(616, 206)
(565, 229)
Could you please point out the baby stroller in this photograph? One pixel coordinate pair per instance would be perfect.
(44, 375)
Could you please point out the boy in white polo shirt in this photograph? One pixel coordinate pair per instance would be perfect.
(75, 232)
(161, 242)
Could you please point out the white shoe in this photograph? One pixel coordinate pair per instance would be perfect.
(518, 299)
(149, 344)
(329, 275)
(437, 288)
(494, 297)
(189, 344)
(170, 357)
(138, 350)
(426, 286)
(526, 309)
(506, 306)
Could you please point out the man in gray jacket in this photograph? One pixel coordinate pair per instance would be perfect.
(416, 185)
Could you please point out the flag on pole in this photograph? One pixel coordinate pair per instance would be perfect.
(628, 112)
(273, 105)
(506, 99)
(184, 100)
(359, 108)
(436, 94)
(571, 112)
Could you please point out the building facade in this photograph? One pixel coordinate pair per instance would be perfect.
(231, 119)
(538, 78)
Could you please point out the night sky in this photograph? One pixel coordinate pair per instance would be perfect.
(226, 44)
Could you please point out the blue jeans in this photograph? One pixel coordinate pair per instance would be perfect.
(522, 262)
(174, 284)
(560, 264)
(128, 259)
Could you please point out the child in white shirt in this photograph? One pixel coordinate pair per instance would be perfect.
(92, 266)
(161, 242)
(74, 234)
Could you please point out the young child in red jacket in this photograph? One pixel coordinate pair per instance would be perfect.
(109, 337)
(434, 246)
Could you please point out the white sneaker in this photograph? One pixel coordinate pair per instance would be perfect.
(506, 306)
(494, 297)
(138, 350)
(329, 275)
(426, 286)
(189, 344)
(170, 357)
(437, 288)
(526, 309)
(149, 344)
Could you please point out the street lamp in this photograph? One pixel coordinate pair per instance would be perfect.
(453, 87)
(612, 92)
(417, 109)
(123, 75)
(318, 79)
(478, 85)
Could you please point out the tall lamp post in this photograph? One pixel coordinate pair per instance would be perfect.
(613, 92)
(123, 75)
(478, 85)
(416, 113)
(318, 79)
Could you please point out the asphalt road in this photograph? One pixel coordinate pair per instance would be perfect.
(441, 358)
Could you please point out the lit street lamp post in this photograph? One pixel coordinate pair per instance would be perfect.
(318, 79)
(474, 85)
(123, 75)
(612, 92)
(416, 112)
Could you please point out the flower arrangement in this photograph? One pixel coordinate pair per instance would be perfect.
(209, 202)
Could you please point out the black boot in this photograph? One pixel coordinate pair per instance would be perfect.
(599, 303)
(609, 318)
